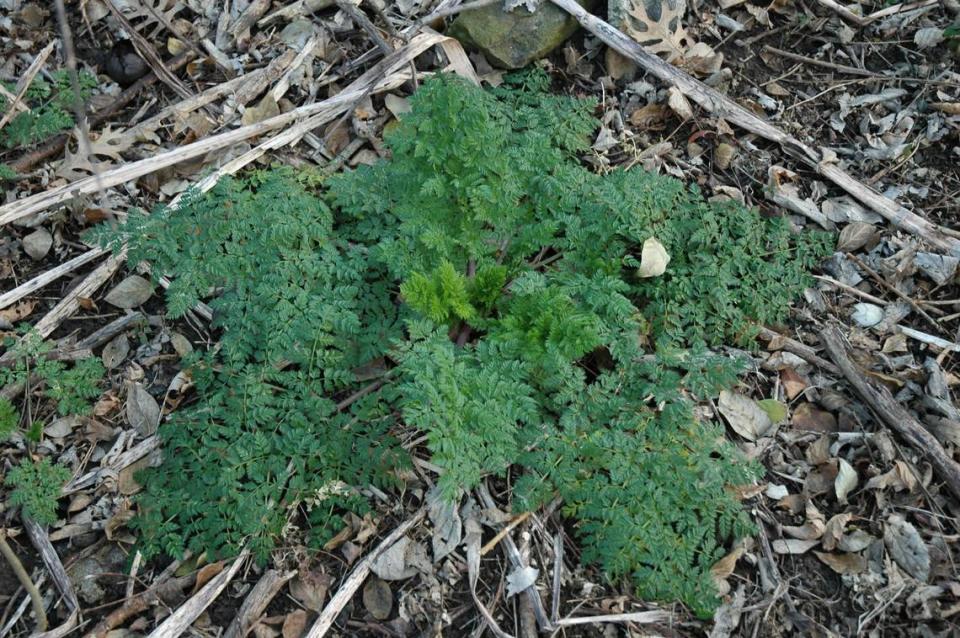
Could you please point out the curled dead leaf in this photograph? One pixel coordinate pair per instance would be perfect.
(744, 415)
(679, 103)
(653, 259)
(723, 568)
(846, 480)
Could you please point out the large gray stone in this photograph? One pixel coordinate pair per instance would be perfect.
(514, 39)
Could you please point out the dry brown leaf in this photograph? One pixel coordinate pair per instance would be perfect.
(143, 411)
(793, 383)
(18, 311)
(950, 108)
(805, 532)
(723, 568)
(126, 480)
(115, 351)
(701, 59)
(723, 155)
(856, 235)
(906, 547)
(310, 587)
(265, 109)
(843, 563)
(806, 417)
(821, 480)
(657, 25)
(679, 104)
(294, 624)
(776, 89)
(833, 531)
(60, 428)
(744, 415)
(206, 573)
(377, 598)
(900, 477)
(651, 117)
(619, 66)
(111, 143)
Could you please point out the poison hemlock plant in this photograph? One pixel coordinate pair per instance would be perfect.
(71, 388)
(36, 488)
(51, 104)
(492, 280)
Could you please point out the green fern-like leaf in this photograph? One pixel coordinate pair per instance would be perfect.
(489, 280)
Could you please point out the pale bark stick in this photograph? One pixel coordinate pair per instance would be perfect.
(41, 280)
(891, 413)
(179, 621)
(359, 574)
(256, 601)
(25, 82)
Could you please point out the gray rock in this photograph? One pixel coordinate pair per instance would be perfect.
(514, 39)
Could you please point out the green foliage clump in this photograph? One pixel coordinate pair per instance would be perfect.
(51, 104)
(36, 488)
(6, 173)
(489, 280)
(9, 418)
(300, 309)
(70, 388)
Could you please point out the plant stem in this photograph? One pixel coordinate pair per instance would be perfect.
(24, 579)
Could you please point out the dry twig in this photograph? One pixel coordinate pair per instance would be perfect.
(890, 412)
(17, 567)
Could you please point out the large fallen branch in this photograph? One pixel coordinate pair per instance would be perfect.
(380, 76)
(891, 413)
(723, 107)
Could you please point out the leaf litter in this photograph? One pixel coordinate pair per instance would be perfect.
(853, 513)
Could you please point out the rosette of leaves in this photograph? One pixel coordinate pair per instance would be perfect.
(488, 279)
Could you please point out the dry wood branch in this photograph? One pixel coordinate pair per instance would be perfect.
(513, 555)
(58, 354)
(899, 293)
(113, 466)
(17, 567)
(41, 542)
(863, 21)
(106, 333)
(722, 106)
(802, 350)
(177, 623)
(62, 630)
(319, 113)
(15, 104)
(640, 617)
(256, 601)
(25, 81)
(70, 303)
(12, 296)
(56, 144)
(359, 574)
(140, 603)
(892, 413)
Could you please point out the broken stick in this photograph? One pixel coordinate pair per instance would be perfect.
(892, 413)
